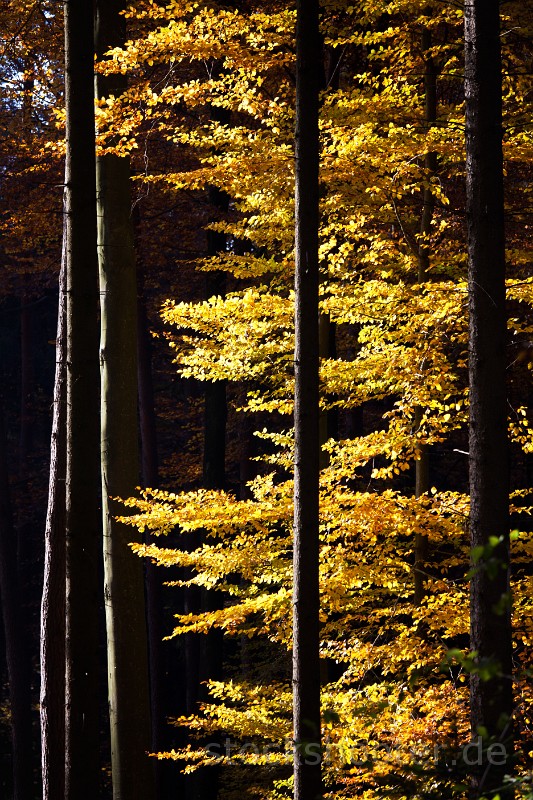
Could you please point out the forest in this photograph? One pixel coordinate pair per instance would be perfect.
(266, 424)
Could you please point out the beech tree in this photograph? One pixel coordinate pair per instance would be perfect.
(306, 603)
(82, 469)
(491, 697)
(128, 683)
(52, 638)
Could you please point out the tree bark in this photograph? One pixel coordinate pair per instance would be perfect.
(82, 490)
(306, 661)
(204, 652)
(491, 634)
(128, 681)
(52, 695)
(17, 655)
(26, 379)
(26, 326)
(150, 478)
(147, 418)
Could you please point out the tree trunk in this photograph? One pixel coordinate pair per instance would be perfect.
(26, 379)
(52, 705)
(82, 490)
(306, 661)
(26, 326)
(204, 652)
(128, 680)
(491, 634)
(150, 478)
(422, 484)
(17, 655)
(147, 419)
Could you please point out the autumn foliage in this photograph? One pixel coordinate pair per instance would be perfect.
(395, 674)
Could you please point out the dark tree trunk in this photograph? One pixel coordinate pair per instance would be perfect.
(128, 679)
(491, 634)
(150, 478)
(147, 419)
(422, 485)
(17, 655)
(82, 485)
(52, 696)
(306, 661)
(26, 326)
(26, 379)
(203, 653)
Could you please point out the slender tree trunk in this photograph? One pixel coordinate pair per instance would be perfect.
(150, 478)
(422, 484)
(26, 326)
(158, 651)
(147, 419)
(52, 705)
(204, 653)
(491, 633)
(306, 660)
(17, 655)
(26, 379)
(82, 490)
(128, 680)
